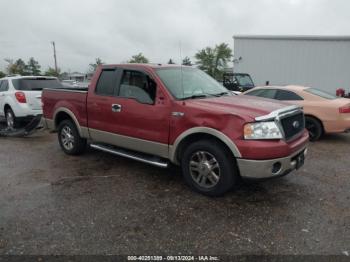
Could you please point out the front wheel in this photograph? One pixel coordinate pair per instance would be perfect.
(209, 168)
(69, 138)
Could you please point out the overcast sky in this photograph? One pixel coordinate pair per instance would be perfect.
(114, 30)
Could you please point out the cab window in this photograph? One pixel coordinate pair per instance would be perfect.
(137, 85)
(107, 83)
(266, 93)
(286, 95)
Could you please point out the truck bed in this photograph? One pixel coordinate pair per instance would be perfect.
(72, 99)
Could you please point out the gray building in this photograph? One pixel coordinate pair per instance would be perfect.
(318, 61)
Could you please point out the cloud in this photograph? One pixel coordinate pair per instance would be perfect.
(116, 30)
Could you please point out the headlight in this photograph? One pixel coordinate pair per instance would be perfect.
(262, 130)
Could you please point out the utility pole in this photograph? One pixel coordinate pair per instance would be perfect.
(54, 55)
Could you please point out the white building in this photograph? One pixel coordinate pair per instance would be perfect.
(318, 61)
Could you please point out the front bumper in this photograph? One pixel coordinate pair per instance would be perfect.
(264, 169)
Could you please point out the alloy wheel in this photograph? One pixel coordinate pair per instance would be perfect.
(67, 138)
(204, 169)
(10, 120)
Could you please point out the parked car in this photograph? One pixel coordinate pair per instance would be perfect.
(69, 83)
(161, 114)
(20, 97)
(238, 82)
(324, 113)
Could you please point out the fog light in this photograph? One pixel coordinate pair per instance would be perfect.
(276, 168)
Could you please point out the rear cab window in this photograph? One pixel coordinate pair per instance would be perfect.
(35, 84)
(107, 83)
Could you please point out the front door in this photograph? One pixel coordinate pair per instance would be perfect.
(132, 112)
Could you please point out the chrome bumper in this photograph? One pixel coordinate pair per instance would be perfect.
(262, 169)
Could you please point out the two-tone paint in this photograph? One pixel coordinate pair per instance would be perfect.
(163, 128)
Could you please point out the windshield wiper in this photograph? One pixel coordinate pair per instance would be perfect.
(220, 94)
(194, 97)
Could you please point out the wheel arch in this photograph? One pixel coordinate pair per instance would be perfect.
(62, 114)
(198, 133)
(318, 119)
(7, 106)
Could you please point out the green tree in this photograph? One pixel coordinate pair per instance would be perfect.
(171, 62)
(52, 72)
(2, 74)
(93, 66)
(187, 61)
(33, 67)
(214, 60)
(18, 67)
(139, 58)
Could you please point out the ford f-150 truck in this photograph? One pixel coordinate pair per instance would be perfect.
(162, 114)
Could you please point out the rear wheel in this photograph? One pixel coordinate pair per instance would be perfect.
(209, 168)
(69, 138)
(11, 121)
(314, 127)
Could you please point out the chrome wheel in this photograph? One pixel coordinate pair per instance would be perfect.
(10, 120)
(67, 138)
(204, 169)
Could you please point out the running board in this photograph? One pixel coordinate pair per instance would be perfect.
(151, 160)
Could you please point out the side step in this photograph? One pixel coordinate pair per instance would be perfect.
(148, 159)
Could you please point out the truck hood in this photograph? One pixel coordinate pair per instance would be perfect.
(242, 105)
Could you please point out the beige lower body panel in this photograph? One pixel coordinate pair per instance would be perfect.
(260, 169)
(140, 145)
(50, 124)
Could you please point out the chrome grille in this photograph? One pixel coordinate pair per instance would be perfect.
(293, 125)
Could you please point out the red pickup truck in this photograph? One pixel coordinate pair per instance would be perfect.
(162, 114)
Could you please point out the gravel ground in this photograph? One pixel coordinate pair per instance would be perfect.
(51, 203)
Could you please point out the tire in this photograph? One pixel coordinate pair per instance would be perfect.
(202, 158)
(69, 138)
(314, 127)
(11, 120)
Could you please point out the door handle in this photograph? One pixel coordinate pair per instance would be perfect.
(116, 108)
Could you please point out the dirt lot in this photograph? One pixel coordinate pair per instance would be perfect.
(51, 203)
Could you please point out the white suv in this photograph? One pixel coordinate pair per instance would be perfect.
(20, 97)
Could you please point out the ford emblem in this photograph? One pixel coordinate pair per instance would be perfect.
(296, 124)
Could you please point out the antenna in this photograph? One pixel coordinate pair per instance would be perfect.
(182, 80)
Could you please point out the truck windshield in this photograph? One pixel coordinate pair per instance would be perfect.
(187, 83)
(35, 84)
(244, 80)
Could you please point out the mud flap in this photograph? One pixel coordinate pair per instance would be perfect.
(30, 128)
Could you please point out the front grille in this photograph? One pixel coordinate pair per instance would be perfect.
(293, 125)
